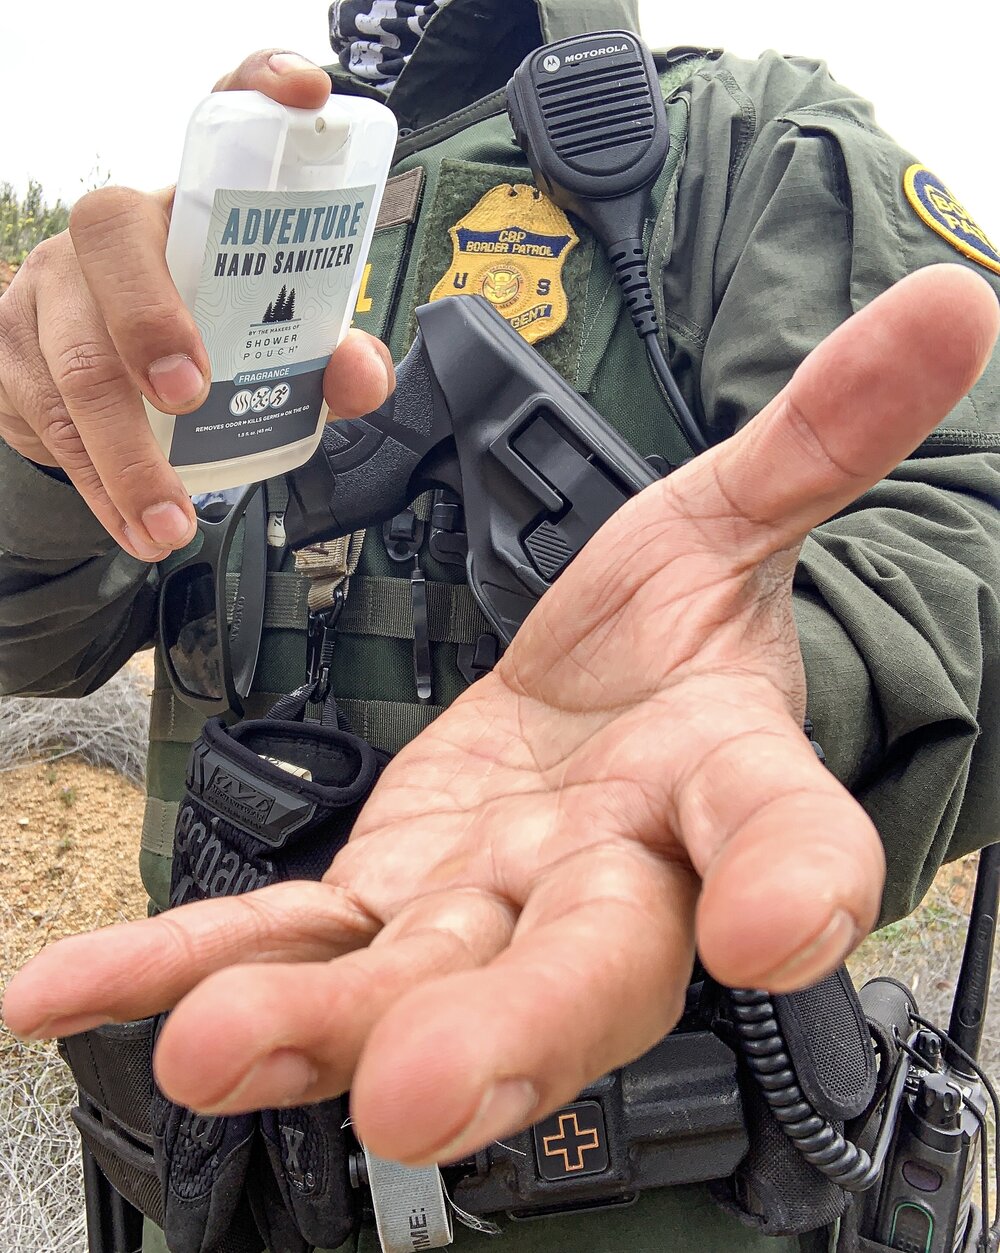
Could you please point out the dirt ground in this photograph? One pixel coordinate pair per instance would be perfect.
(69, 848)
(69, 842)
(7, 272)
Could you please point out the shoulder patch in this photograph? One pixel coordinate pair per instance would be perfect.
(936, 206)
(511, 248)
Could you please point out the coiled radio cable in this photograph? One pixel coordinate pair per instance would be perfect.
(816, 1138)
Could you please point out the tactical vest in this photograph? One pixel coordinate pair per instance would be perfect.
(466, 165)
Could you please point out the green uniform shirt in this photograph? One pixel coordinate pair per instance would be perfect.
(783, 209)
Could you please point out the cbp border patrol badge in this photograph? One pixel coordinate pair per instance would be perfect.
(511, 248)
(936, 206)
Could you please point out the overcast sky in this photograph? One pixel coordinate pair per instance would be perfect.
(110, 84)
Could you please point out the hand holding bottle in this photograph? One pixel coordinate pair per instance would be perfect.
(93, 322)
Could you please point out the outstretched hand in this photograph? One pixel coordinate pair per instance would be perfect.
(518, 908)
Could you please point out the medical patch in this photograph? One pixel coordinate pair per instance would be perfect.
(511, 248)
(936, 206)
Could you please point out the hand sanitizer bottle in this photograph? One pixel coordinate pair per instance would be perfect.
(272, 221)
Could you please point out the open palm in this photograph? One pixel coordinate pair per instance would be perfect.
(517, 910)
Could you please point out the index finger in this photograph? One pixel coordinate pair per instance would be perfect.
(135, 969)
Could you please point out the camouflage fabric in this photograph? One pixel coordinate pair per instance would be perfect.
(375, 39)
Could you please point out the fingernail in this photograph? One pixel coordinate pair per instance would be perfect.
(838, 938)
(176, 380)
(71, 1025)
(142, 548)
(168, 524)
(505, 1107)
(279, 1080)
(290, 63)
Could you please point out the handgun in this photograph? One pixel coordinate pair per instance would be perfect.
(477, 411)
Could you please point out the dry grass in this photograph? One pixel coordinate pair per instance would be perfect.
(41, 1190)
(109, 728)
(68, 846)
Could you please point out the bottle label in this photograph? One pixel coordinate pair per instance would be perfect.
(278, 274)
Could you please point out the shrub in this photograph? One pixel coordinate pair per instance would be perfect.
(26, 221)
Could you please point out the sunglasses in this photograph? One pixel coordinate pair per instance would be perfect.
(210, 621)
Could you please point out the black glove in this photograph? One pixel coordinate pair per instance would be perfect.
(267, 801)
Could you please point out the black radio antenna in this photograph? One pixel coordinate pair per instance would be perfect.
(972, 993)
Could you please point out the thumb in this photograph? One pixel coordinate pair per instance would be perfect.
(284, 76)
(859, 404)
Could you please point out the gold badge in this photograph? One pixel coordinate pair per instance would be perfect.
(511, 248)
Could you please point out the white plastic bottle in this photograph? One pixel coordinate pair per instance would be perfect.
(272, 221)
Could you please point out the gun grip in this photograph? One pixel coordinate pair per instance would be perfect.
(366, 470)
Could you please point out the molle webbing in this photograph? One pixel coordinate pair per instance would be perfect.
(286, 600)
(158, 825)
(173, 722)
(376, 606)
(384, 606)
(386, 724)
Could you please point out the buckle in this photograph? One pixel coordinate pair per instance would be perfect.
(322, 638)
(403, 536)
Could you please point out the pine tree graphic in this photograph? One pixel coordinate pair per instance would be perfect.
(282, 309)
